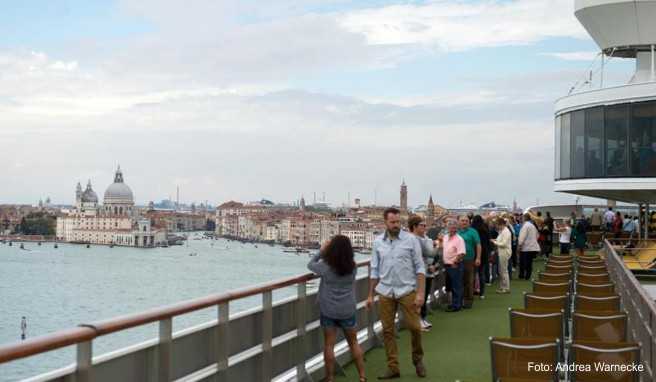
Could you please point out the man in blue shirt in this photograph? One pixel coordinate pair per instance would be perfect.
(398, 276)
(472, 259)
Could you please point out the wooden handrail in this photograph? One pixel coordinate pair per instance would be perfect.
(86, 332)
(45, 343)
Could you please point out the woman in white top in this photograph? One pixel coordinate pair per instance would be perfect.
(504, 246)
(565, 237)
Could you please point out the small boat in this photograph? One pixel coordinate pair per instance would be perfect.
(88, 245)
(39, 244)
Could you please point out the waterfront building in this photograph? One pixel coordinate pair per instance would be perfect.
(329, 228)
(272, 232)
(12, 214)
(177, 221)
(605, 137)
(116, 221)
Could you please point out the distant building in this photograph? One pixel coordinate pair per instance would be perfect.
(404, 197)
(430, 212)
(115, 222)
(177, 221)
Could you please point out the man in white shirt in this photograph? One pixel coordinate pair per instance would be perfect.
(609, 218)
(528, 247)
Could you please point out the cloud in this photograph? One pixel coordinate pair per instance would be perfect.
(573, 56)
(458, 25)
(204, 99)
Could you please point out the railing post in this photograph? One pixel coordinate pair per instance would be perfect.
(267, 335)
(84, 361)
(371, 315)
(164, 352)
(223, 342)
(301, 320)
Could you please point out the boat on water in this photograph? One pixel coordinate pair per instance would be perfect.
(297, 250)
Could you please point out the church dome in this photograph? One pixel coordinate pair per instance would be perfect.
(118, 192)
(89, 196)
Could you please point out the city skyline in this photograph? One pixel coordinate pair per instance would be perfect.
(215, 103)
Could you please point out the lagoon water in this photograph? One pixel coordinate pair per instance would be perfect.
(61, 288)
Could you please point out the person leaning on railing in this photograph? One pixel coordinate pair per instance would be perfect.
(398, 276)
(336, 265)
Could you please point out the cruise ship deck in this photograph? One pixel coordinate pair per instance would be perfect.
(281, 340)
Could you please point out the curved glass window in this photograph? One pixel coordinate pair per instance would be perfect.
(594, 139)
(608, 141)
(578, 144)
(643, 140)
(617, 128)
(565, 137)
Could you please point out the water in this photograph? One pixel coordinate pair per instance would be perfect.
(61, 288)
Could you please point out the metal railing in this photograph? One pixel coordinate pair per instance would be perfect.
(231, 348)
(640, 307)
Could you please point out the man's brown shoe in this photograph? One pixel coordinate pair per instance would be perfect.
(389, 374)
(420, 369)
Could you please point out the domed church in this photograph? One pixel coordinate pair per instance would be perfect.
(115, 222)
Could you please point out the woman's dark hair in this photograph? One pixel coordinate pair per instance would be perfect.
(339, 255)
(478, 224)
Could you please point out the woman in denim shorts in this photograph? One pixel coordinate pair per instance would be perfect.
(336, 265)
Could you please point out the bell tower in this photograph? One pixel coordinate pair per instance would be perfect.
(404, 197)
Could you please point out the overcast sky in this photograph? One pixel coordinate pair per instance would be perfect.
(277, 99)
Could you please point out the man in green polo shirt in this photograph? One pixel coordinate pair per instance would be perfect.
(472, 259)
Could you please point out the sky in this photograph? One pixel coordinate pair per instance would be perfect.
(281, 99)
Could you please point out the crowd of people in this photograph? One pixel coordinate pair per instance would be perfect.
(473, 251)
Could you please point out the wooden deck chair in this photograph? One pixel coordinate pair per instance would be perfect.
(511, 357)
(595, 289)
(596, 303)
(561, 257)
(594, 238)
(532, 323)
(548, 277)
(599, 326)
(557, 268)
(561, 263)
(592, 263)
(562, 288)
(615, 353)
(546, 302)
(588, 258)
(594, 279)
(592, 270)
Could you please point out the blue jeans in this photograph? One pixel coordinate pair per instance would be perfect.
(456, 275)
(349, 323)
